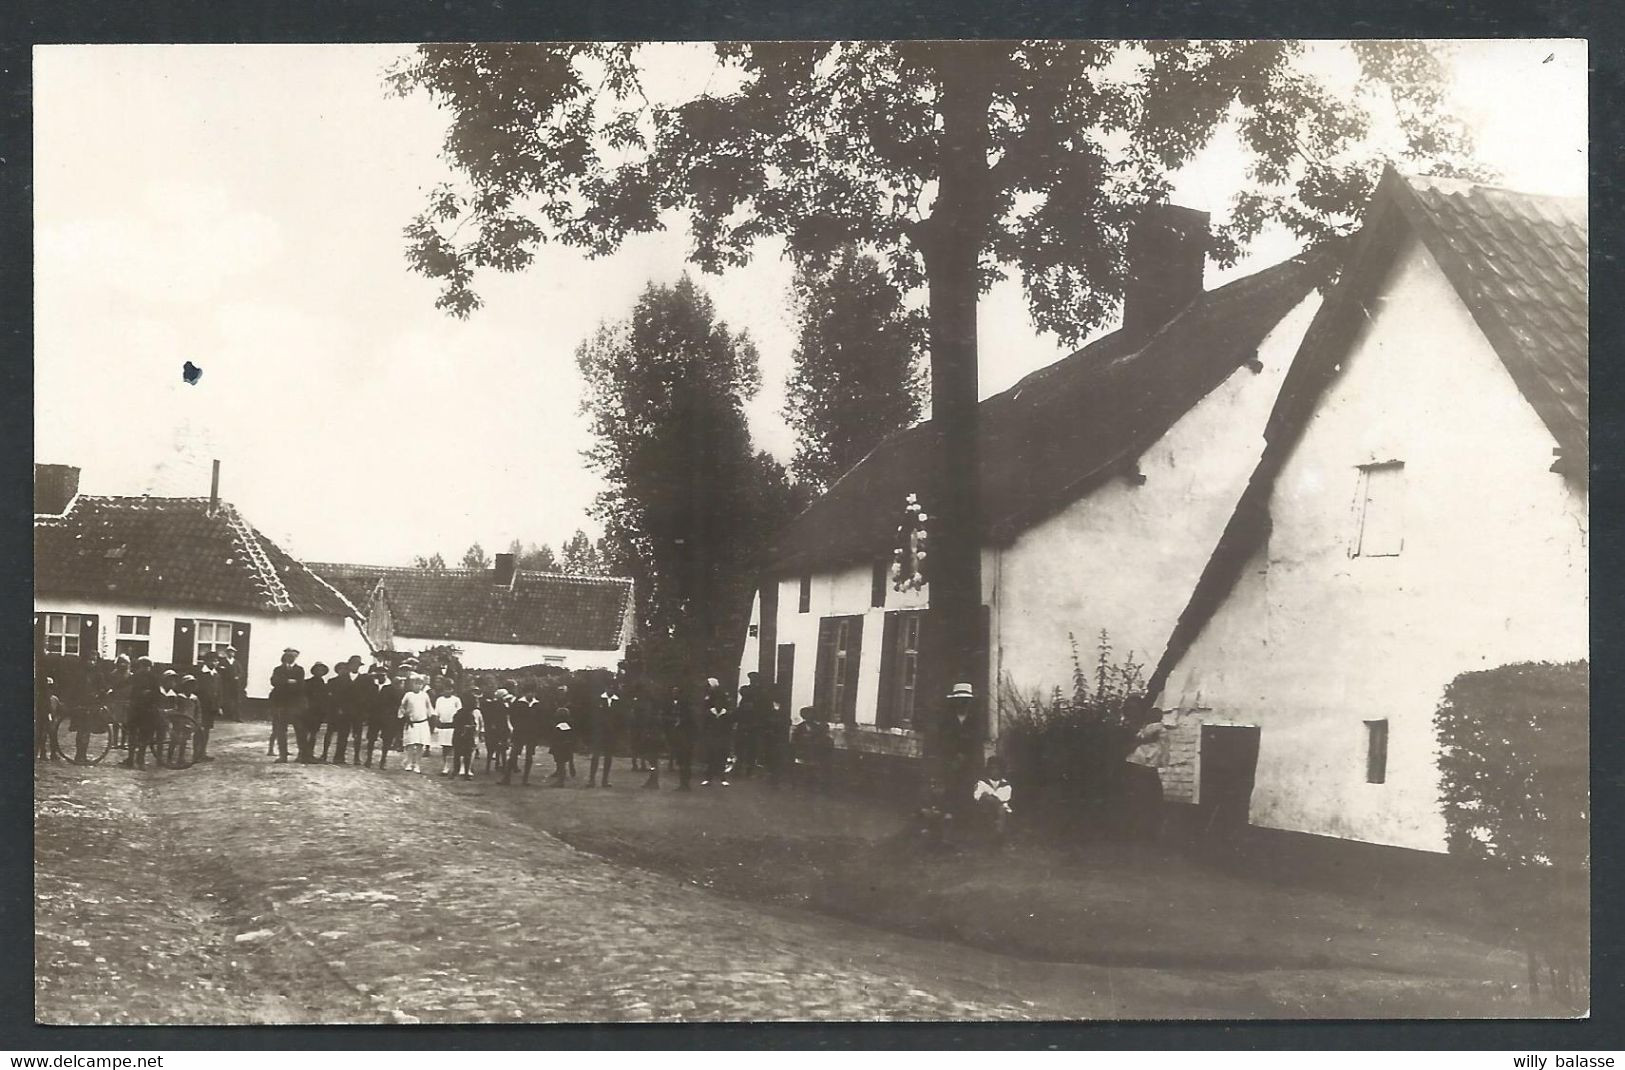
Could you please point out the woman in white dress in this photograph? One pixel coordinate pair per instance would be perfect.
(414, 714)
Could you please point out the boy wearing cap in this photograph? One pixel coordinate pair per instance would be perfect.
(380, 698)
(498, 728)
(287, 685)
(208, 700)
(341, 710)
(231, 685)
(317, 710)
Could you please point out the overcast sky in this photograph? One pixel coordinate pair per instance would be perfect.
(241, 207)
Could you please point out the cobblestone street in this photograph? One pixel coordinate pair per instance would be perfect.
(243, 891)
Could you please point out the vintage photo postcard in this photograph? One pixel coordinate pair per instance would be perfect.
(811, 531)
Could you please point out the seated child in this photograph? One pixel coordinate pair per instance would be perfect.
(992, 798)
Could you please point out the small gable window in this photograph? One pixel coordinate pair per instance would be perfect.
(1379, 509)
(804, 598)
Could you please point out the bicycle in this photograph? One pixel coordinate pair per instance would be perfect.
(82, 736)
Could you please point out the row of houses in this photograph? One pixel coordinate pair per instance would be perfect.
(1305, 501)
(172, 578)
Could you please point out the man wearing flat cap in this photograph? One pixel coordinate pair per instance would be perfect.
(287, 698)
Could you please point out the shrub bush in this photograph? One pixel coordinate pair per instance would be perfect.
(1066, 750)
(1514, 764)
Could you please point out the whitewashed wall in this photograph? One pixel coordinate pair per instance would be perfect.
(1125, 558)
(318, 638)
(1493, 569)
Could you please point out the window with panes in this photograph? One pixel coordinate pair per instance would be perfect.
(134, 636)
(212, 635)
(62, 632)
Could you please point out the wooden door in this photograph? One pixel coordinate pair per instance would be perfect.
(1228, 763)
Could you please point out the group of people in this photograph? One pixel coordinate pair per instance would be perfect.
(139, 696)
(345, 715)
(351, 715)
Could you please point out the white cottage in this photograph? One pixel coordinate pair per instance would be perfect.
(1105, 480)
(1420, 510)
(500, 618)
(171, 578)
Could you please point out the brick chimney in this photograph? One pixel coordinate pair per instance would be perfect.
(503, 571)
(54, 487)
(1167, 252)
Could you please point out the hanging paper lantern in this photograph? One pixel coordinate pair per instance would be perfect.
(908, 555)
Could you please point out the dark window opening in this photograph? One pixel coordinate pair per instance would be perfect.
(877, 585)
(804, 599)
(1376, 752)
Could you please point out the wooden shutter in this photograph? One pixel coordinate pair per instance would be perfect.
(854, 652)
(239, 641)
(886, 706)
(185, 648)
(824, 667)
(877, 584)
(39, 635)
(89, 636)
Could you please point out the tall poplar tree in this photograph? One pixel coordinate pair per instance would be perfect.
(856, 376)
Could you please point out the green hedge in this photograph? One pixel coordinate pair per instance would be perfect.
(1514, 763)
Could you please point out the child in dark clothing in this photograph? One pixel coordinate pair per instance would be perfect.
(464, 730)
(563, 747)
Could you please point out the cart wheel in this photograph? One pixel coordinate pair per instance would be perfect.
(81, 736)
(177, 749)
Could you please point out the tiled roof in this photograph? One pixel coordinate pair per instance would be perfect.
(1519, 263)
(1061, 431)
(172, 551)
(464, 605)
(1517, 260)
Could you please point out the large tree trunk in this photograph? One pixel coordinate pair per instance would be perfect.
(951, 248)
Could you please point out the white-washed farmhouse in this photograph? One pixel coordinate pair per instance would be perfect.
(172, 578)
(500, 618)
(1106, 478)
(1419, 510)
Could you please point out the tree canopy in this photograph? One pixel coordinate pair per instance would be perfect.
(690, 506)
(476, 557)
(856, 377)
(955, 162)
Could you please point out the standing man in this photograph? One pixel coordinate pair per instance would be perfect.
(678, 721)
(341, 709)
(380, 700)
(776, 738)
(959, 746)
(752, 722)
(142, 721)
(608, 715)
(718, 734)
(231, 685)
(208, 702)
(318, 709)
(287, 687)
(525, 727)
